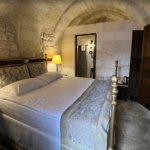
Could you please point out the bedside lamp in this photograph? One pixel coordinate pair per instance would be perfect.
(56, 60)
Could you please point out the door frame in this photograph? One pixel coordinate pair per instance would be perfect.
(95, 49)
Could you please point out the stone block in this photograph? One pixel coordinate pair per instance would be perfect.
(78, 30)
(15, 54)
(68, 62)
(105, 63)
(126, 44)
(88, 3)
(14, 47)
(3, 36)
(8, 10)
(15, 2)
(32, 13)
(2, 26)
(100, 71)
(11, 36)
(111, 45)
(40, 5)
(124, 63)
(107, 54)
(70, 46)
(91, 28)
(113, 26)
(29, 35)
(99, 27)
(4, 54)
(68, 38)
(31, 24)
(129, 25)
(4, 45)
(124, 35)
(67, 31)
(106, 36)
(10, 28)
(125, 54)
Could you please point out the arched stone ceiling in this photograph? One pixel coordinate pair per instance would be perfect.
(44, 21)
(99, 14)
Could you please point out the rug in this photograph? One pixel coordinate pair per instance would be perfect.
(7, 144)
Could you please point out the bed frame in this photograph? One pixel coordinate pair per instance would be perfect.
(4, 62)
(114, 91)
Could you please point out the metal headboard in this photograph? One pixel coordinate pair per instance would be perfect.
(5, 62)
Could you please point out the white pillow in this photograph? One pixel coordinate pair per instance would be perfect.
(22, 86)
(49, 76)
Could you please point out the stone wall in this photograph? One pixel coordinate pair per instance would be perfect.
(8, 41)
(32, 18)
(113, 43)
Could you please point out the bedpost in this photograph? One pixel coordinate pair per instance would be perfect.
(114, 92)
(46, 58)
(116, 62)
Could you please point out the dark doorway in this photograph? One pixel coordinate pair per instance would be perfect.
(85, 55)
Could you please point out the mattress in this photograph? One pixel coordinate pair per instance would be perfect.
(42, 108)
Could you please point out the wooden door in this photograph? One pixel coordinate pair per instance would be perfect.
(144, 87)
(135, 61)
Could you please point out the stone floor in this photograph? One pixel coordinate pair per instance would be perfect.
(132, 127)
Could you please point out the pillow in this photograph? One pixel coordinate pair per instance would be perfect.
(22, 86)
(12, 74)
(49, 76)
(37, 68)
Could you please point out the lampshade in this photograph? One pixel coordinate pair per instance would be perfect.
(56, 59)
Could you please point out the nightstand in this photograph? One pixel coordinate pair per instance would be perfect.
(123, 92)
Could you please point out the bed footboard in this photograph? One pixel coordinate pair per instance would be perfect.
(114, 91)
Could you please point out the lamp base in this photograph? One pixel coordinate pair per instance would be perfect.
(56, 67)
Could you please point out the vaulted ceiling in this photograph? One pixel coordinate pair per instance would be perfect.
(99, 14)
(40, 24)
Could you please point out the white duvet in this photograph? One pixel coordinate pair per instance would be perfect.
(43, 107)
(54, 98)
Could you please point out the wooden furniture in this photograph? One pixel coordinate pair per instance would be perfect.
(123, 92)
(135, 61)
(144, 83)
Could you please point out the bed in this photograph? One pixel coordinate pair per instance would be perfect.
(48, 111)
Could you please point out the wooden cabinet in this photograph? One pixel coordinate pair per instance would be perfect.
(144, 85)
(135, 61)
(123, 92)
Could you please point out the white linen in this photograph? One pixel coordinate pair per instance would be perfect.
(44, 106)
(86, 120)
(49, 76)
(22, 87)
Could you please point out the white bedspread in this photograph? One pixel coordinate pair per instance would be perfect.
(50, 101)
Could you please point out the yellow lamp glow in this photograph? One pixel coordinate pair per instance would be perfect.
(56, 60)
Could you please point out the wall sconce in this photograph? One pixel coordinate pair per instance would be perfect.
(56, 60)
(91, 45)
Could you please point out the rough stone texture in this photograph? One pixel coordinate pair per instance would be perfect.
(132, 128)
(113, 43)
(28, 18)
(8, 41)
